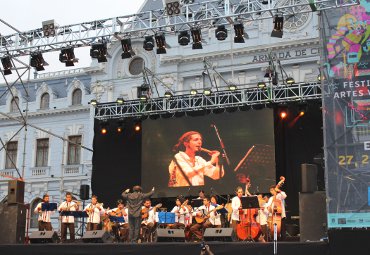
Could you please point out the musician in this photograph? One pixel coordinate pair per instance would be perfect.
(217, 219)
(94, 211)
(44, 216)
(245, 180)
(120, 230)
(188, 169)
(262, 217)
(236, 206)
(68, 221)
(148, 223)
(181, 212)
(201, 194)
(278, 199)
(206, 218)
(134, 204)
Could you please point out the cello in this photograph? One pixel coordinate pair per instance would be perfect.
(276, 210)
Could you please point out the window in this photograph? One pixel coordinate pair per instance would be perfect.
(76, 97)
(45, 99)
(74, 150)
(11, 155)
(13, 104)
(42, 152)
(34, 223)
(136, 66)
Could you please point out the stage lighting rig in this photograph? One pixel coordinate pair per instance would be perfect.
(160, 40)
(126, 48)
(143, 92)
(221, 33)
(278, 26)
(196, 35)
(37, 61)
(49, 28)
(148, 44)
(99, 51)
(239, 33)
(67, 56)
(172, 7)
(7, 65)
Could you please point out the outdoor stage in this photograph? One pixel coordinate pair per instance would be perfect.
(218, 248)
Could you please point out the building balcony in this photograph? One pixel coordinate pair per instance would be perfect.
(72, 170)
(7, 174)
(41, 171)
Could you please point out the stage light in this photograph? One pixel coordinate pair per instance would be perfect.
(290, 80)
(184, 38)
(261, 84)
(264, 2)
(302, 108)
(99, 51)
(278, 26)
(120, 126)
(160, 40)
(143, 92)
(148, 44)
(196, 35)
(168, 94)
(173, 7)
(239, 33)
(193, 92)
(67, 56)
(207, 92)
(221, 33)
(104, 127)
(120, 100)
(7, 65)
(37, 61)
(283, 111)
(93, 102)
(137, 126)
(232, 87)
(49, 27)
(126, 48)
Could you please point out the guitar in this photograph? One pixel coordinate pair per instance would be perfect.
(145, 211)
(204, 217)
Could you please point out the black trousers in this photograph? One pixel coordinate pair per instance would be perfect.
(71, 227)
(45, 226)
(135, 225)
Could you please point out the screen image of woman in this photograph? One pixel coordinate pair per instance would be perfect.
(187, 168)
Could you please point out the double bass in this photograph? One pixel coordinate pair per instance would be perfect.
(276, 210)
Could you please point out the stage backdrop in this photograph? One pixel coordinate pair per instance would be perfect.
(346, 105)
(248, 139)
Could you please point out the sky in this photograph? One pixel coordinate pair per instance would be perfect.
(27, 15)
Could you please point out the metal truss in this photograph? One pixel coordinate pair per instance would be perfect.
(204, 14)
(201, 102)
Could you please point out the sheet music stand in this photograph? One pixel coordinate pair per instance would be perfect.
(117, 219)
(250, 202)
(48, 206)
(196, 202)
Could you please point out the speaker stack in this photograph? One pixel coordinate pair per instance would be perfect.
(218, 234)
(312, 206)
(97, 236)
(84, 192)
(170, 235)
(44, 237)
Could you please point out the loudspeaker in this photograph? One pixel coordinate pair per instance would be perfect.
(309, 177)
(312, 216)
(44, 237)
(218, 234)
(97, 236)
(12, 223)
(15, 192)
(84, 192)
(170, 235)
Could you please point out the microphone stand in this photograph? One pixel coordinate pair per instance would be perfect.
(221, 144)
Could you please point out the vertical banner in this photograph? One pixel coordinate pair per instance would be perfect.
(346, 111)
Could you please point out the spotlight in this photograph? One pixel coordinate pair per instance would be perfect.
(290, 80)
(207, 92)
(264, 2)
(148, 44)
(67, 56)
(127, 49)
(278, 26)
(7, 65)
(99, 51)
(261, 84)
(104, 127)
(120, 126)
(37, 61)
(239, 33)
(184, 38)
(93, 102)
(193, 92)
(137, 126)
(196, 35)
(221, 33)
(283, 111)
(161, 43)
(168, 94)
(143, 92)
(302, 108)
(49, 27)
(172, 7)
(232, 87)
(120, 100)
